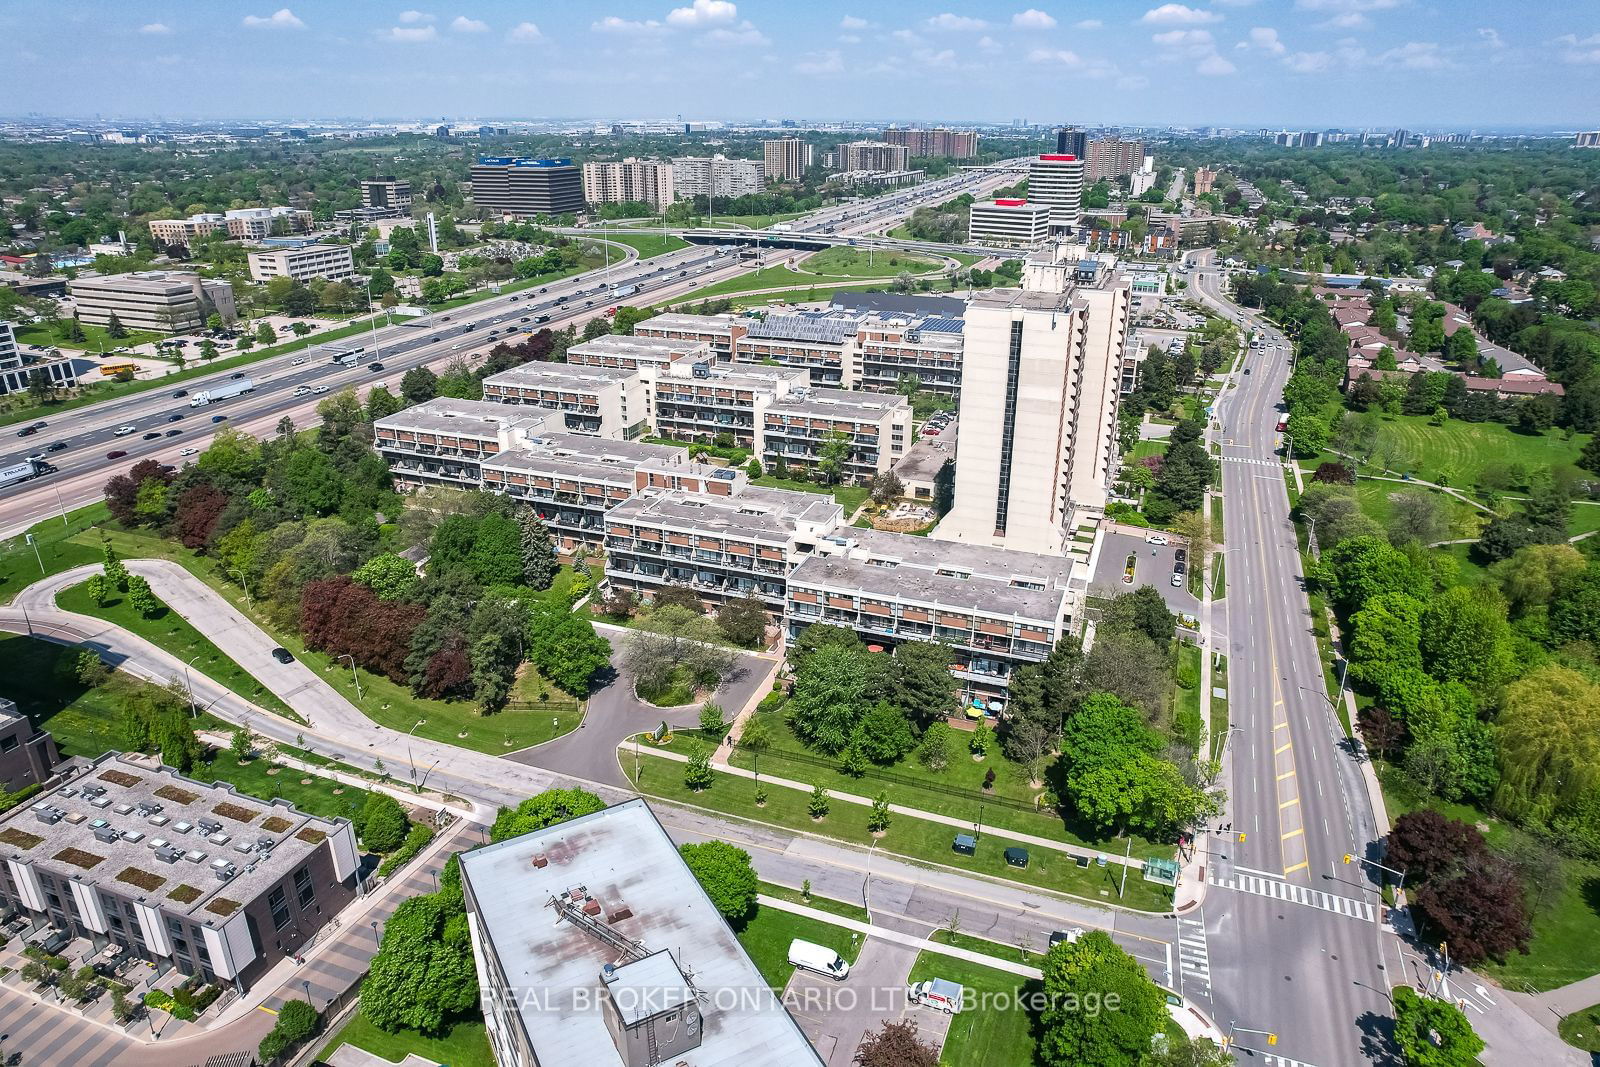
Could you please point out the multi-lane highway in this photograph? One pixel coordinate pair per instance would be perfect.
(84, 438)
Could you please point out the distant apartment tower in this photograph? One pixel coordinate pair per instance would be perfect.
(390, 193)
(646, 181)
(873, 155)
(1012, 222)
(1204, 180)
(1071, 141)
(527, 187)
(1040, 378)
(956, 144)
(247, 224)
(1588, 139)
(715, 176)
(169, 301)
(1112, 157)
(302, 264)
(1056, 181)
(786, 159)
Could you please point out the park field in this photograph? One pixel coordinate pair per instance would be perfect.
(845, 262)
(1457, 453)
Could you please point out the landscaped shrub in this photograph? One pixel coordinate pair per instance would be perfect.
(417, 839)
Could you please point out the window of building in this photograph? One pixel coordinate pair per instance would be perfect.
(278, 902)
(303, 888)
(8, 742)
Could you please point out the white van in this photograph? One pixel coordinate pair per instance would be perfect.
(812, 957)
(938, 994)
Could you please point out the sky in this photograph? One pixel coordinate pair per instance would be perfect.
(1247, 63)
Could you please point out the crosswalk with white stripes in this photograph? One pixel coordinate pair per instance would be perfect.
(1194, 961)
(1252, 461)
(1297, 894)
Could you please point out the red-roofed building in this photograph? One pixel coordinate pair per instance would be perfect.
(1010, 222)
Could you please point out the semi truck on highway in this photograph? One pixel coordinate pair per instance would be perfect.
(623, 290)
(21, 472)
(221, 392)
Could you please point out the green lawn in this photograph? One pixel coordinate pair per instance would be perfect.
(1216, 520)
(1012, 953)
(850, 496)
(1011, 784)
(172, 633)
(827, 904)
(1186, 702)
(908, 837)
(648, 245)
(96, 339)
(1141, 449)
(1219, 708)
(1456, 452)
(845, 262)
(308, 792)
(463, 1045)
(1377, 501)
(1581, 1029)
(766, 937)
(994, 1034)
(38, 677)
(59, 550)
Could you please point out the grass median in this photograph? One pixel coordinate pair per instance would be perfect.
(908, 837)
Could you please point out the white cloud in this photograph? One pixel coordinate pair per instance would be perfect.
(1033, 19)
(160, 29)
(1416, 55)
(524, 32)
(1235, 3)
(1184, 39)
(462, 24)
(1266, 39)
(947, 21)
(906, 36)
(1308, 62)
(1574, 55)
(850, 22)
(1088, 24)
(413, 17)
(742, 34)
(1059, 56)
(1349, 20)
(990, 45)
(1586, 50)
(1215, 66)
(1572, 39)
(614, 24)
(849, 38)
(818, 64)
(1179, 15)
(1491, 37)
(703, 13)
(408, 34)
(281, 19)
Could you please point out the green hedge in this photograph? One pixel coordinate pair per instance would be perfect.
(417, 839)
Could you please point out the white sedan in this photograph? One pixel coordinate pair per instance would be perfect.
(123, 431)
(190, 452)
(1155, 539)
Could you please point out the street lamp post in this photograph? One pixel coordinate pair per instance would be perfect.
(353, 673)
(372, 320)
(188, 684)
(244, 582)
(307, 987)
(1399, 888)
(1272, 1038)
(375, 936)
(409, 757)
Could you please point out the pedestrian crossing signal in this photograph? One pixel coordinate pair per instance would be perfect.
(1272, 1039)
(1347, 857)
(1241, 837)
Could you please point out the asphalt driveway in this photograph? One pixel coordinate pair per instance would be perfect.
(836, 1016)
(1152, 566)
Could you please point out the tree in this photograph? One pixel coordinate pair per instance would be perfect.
(1549, 742)
(114, 328)
(885, 488)
(817, 803)
(743, 620)
(884, 734)
(830, 697)
(542, 810)
(1417, 516)
(944, 486)
(820, 635)
(422, 977)
(383, 822)
(832, 457)
(1143, 611)
(496, 556)
(896, 1045)
(1427, 845)
(726, 875)
(1536, 574)
(565, 648)
(1360, 568)
(539, 564)
(239, 744)
(922, 684)
(878, 817)
(1176, 1049)
(296, 1021)
(1481, 912)
(391, 576)
(141, 598)
(1094, 966)
(1431, 1032)
(418, 385)
(98, 588)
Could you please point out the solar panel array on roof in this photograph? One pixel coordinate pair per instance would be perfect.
(803, 328)
(942, 325)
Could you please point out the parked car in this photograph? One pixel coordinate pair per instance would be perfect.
(813, 957)
(1181, 555)
(937, 993)
(1155, 539)
(1069, 936)
(282, 655)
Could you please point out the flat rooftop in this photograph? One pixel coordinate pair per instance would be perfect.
(675, 320)
(573, 378)
(146, 281)
(756, 376)
(839, 403)
(466, 418)
(587, 458)
(761, 514)
(655, 349)
(622, 858)
(1025, 299)
(900, 566)
(158, 804)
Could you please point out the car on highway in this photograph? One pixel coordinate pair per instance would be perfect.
(282, 655)
(1155, 539)
(174, 418)
(319, 389)
(190, 452)
(236, 377)
(219, 418)
(299, 361)
(1069, 936)
(56, 446)
(122, 431)
(302, 390)
(375, 367)
(118, 454)
(152, 435)
(26, 431)
(527, 318)
(180, 393)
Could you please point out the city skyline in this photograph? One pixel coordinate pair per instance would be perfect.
(1276, 62)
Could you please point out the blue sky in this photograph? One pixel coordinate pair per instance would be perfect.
(1224, 62)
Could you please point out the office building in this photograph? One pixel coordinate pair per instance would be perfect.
(167, 301)
(630, 960)
(1010, 222)
(10, 354)
(996, 609)
(389, 195)
(181, 873)
(527, 187)
(799, 430)
(595, 400)
(1071, 141)
(1587, 139)
(1056, 181)
(1204, 180)
(244, 224)
(1111, 157)
(956, 144)
(302, 264)
(1040, 377)
(786, 159)
(873, 155)
(642, 181)
(27, 754)
(716, 175)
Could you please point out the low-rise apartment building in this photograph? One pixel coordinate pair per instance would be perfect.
(626, 352)
(27, 754)
(445, 441)
(161, 300)
(177, 872)
(823, 343)
(721, 332)
(892, 347)
(600, 401)
(245, 224)
(731, 541)
(703, 401)
(798, 430)
(303, 263)
(996, 608)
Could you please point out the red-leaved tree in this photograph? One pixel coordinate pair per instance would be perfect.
(195, 519)
(345, 618)
(122, 491)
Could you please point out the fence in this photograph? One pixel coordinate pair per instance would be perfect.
(910, 782)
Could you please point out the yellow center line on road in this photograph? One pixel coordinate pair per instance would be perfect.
(1301, 866)
(1286, 746)
(1291, 800)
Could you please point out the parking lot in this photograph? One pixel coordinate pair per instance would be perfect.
(835, 1016)
(1153, 565)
